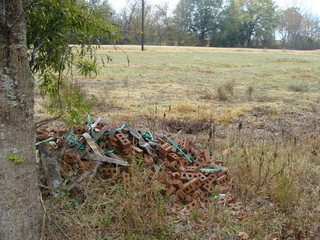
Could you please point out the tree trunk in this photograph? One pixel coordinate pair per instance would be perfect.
(20, 206)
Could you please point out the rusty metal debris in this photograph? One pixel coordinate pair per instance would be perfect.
(184, 168)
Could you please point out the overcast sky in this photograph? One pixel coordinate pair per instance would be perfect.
(312, 5)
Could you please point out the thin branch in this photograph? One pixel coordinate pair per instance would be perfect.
(60, 230)
(30, 5)
(45, 121)
(83, 176)
(44, 217)
(33, 55)
(116, 48)
(45, 214)
(59, 85)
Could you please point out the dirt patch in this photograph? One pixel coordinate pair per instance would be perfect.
(187, 126)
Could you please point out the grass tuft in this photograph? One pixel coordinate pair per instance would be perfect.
(298, 88)
(221, 94)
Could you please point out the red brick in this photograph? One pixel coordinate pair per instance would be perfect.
(164, 148)
(114, 142)
(206, 156)
(100, 125)
(111, 135)
(167, 165)
(206, 187)
(193, 205)
(175, 165)
(86, 164)
(79, 129)
(202, 177)
(199, 164)
(61, 132)
(71, 157)
(196, 152)
(192, 169)
(198, 194)
(182, 195)
(184, 162)
(124, 142)
(177, 184)
(162, 156)
(212, 177)
(173, 149)
(137, 151)
(187, 176)
(175, 175)
(109, 172)
(173, 157)
(170, 190)
(193, 157)
(222, 180)
(148, 160)
(206, 202)
(162, 177)
(126, 151)
(184, 145)
(61, 143)
(162, 139)
(40, 131)
(125, 176)
(181, 169)
(192, 185)
(43, 137)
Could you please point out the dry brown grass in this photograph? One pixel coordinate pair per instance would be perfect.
(298, 88)
(273, 157)
(292, 60)
(113, 209)
(276, 181)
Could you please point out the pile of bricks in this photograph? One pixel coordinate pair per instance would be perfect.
(183, 167)
(186, 173)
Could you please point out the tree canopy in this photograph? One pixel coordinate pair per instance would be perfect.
(199, 17)
(227, 23)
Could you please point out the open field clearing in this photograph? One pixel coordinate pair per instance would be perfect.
(222, 85)
(258, 111)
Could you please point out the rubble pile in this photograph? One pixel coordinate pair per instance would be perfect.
(184, 168)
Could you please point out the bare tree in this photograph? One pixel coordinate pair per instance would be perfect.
(299, 30)
(20, 207)
(161, 22)
(290, 27)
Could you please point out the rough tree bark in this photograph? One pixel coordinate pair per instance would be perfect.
(20, 206)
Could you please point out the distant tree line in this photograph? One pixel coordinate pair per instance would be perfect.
(218, 23)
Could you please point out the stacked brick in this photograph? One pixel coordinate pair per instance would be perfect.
(179, 164)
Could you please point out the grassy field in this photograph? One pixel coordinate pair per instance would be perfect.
(206, 83)
(264, 107)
